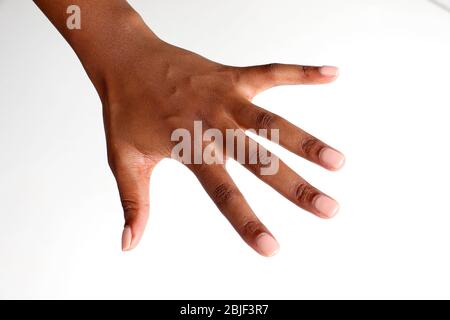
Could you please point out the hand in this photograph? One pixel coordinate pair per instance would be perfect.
(165, 88)
(150, 88)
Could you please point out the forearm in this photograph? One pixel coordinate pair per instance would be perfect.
(108, 28)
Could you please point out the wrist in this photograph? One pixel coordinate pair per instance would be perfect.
(111, 42)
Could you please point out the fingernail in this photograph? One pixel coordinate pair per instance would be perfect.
(329, 71)
(331, 158)
(126, 238)
(267, 245)
(326, 206)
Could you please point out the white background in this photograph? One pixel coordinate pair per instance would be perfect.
(60, 215)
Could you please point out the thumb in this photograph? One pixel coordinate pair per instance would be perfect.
(134, 185)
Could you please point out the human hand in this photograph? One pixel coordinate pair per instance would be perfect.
(149, 89)
(166, 88)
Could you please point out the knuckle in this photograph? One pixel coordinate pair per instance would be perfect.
(311, 147)
(307, 71)
(271, 69)
(304, 193)
(251, 228)
(264, 120)
(222, 194)
(132, 207)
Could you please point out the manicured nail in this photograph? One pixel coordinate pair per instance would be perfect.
(329, 71)
(267, 245)
(326, 206)
(331, 158)
(126, 238)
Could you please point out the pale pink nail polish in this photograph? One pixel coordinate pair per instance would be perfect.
(329, 71)
(326, 206)
(267, 245)
(331, 158)
(126, 238)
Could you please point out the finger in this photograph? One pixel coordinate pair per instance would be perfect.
(133, 183)
(255, 79)
(270, 169)
(227, 197)
(291, 137)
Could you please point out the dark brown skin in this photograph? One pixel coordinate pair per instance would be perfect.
(149, 88)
